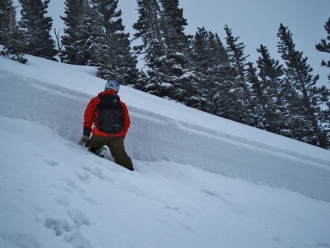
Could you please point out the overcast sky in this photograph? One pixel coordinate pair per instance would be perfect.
(254, 21)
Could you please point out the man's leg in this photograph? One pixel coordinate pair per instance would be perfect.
(95, 143)
(117, 149)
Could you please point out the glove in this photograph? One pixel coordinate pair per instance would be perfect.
(86, 131)
(85, 137)
(83, 140)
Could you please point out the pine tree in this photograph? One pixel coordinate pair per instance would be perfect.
(89, 36)
(176, 68)
(16, 45)
(7, 19)
(201, 63)
(200, 46)
(82, 34)
(241, 90)
(113, 54)
(37, 28)
(152, 48)
(324, 46)
(147, 29)
(165, 49)
(72, 20)
(270, 91)
(11, 36)
(258, 98)
(306, 124)
(214, 73)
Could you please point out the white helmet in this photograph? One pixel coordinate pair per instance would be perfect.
(112, 85)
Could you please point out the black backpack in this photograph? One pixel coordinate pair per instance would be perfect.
(110, 114)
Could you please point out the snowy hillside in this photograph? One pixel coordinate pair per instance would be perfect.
(200, 180)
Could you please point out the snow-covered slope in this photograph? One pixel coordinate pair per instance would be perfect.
(200, 180)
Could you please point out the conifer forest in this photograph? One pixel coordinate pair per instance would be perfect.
(200, 71)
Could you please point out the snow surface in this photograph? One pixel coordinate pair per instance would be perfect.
(200, 180)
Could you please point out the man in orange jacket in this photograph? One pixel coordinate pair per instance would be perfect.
(108, 119)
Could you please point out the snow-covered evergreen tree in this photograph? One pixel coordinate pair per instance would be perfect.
(176, 68)
(241, 90)
(269, 91)
(72, 20)
(11, 36)
(324, 46)
(82, 32)
(112, 53)
(201, 63)
(214, 73)
(258, 98)
(307, 116)
(37, 28)
(165, 48)
(151, 47)
(7, 19)
(15, 45)
(148, 30)
(89, 36)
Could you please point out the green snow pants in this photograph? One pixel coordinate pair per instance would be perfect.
(116, 147)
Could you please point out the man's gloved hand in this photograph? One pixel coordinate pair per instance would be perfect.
(83, 140)
(85, 137)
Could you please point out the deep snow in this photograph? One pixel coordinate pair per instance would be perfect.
(200, 180)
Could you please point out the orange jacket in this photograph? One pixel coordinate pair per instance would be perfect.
(90, 117)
